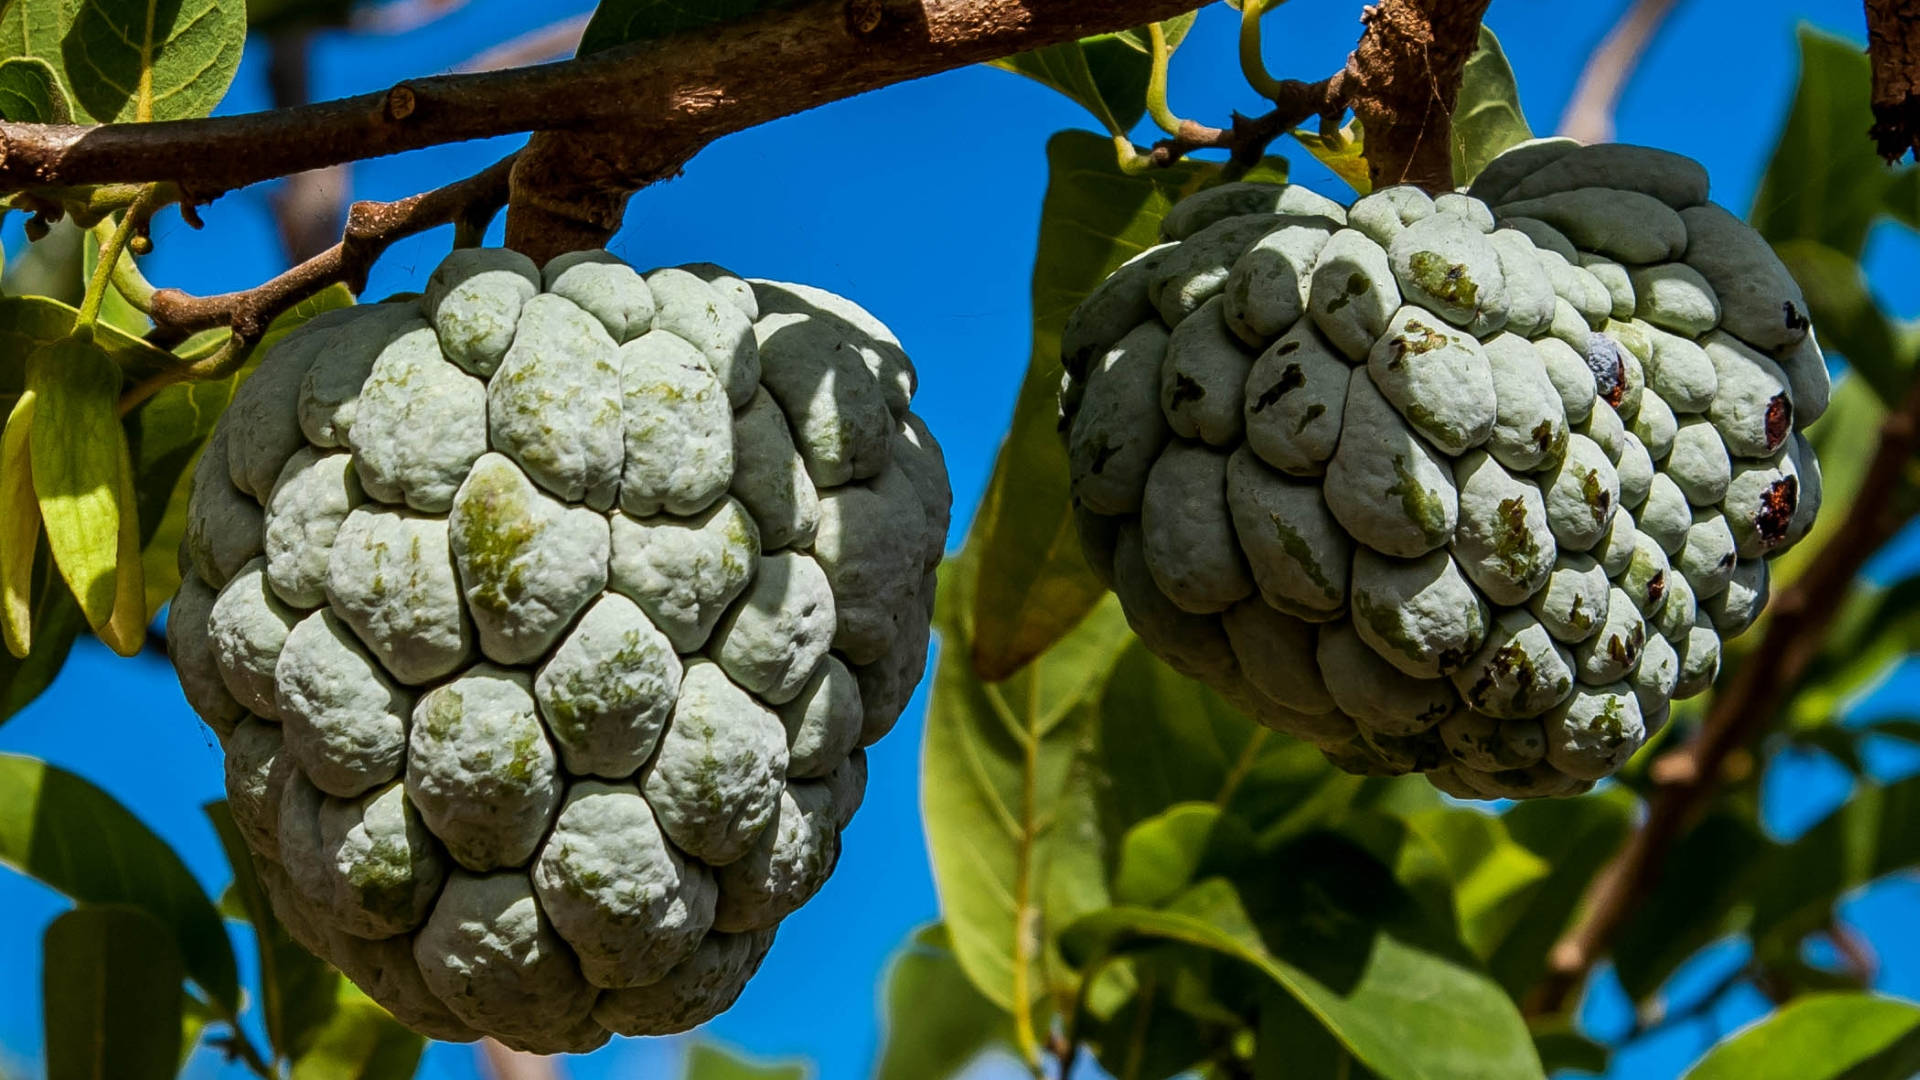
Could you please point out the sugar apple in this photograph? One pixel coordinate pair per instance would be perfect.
(544, 618)
(1470, 485)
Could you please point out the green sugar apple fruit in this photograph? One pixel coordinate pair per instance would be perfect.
(544, 619)
(1472, 486)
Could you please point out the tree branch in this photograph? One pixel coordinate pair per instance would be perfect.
(634, 114)
(1795, 631)
(1401, 83)
(1589, 115)
(1893, 46)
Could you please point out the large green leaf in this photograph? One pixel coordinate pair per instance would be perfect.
(1105, 74)
(1493, 880)
(706, 1061)
(1003, 797)
(622, 22)
(110, 979)
(936, 1022)
(142, 60)
(30, 91)
(1487, 118)
(75, 838)
(1822, 1037)
(1327, 923)
(299, 993)
(76, 450)
(1825, 182)
(1034, 585)
(33, 28)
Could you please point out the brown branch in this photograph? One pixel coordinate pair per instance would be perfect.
(1893, 46)
(1401, 83)
(1796, 629)
(1589, 115)
(1247, 138)
(635, 113)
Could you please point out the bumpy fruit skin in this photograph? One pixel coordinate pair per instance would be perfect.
(545, 618)
(1470, 486)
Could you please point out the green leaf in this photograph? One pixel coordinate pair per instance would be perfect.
(29, 322)
(1493, 878)
(1822, 1037)
(1825, 182)
(1877, 628)
(56, 622)
(169, 430)
(1562, 1048)
(1574, 838)
(1326, 922)
(143, 60)
(1700, 898)
(622, 22)
(359, 1041)
(1344, 152)
(115, 310)
(936, 1022)
(30, 91)
(73, 837)
(1164, 854)
(110, 982)
(1034, 584)
(1487, 118)
(1868, 837)
(76, 446)
(1106, 74)
(707, 1061)
(999, 794)
(299, 993)
(19, 530)
(33, 28)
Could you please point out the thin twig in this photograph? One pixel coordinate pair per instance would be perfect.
(371, 228)
(1685, 777)
(1589, 115)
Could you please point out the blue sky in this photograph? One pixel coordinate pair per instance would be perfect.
(921, 202)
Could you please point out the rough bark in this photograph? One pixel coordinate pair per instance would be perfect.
(1893, 45)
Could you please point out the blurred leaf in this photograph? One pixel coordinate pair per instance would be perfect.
(1877, 627)
(1326, 922)
(1868, 837)
(936, 1022)
(1825, 182)
(1844, 440)
(359, 1041)
(1563, 1049)
(299, 993)
(76, 448)
(1487, 118)
(30, 90)
(1105, 74)
(996, 772)
(1344, 152)
(1034, 585)
(1574, 838)
(707, 1061)
(168, 431)
(1701, 896)
(1846, 317)
(73, 837)
(622, 22)
(48, 267)
(142, 60)
(1168, 1024)
(19, 530)
(1164, 854)
(1822, 1037)
(1493, 878)
(110, 980)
